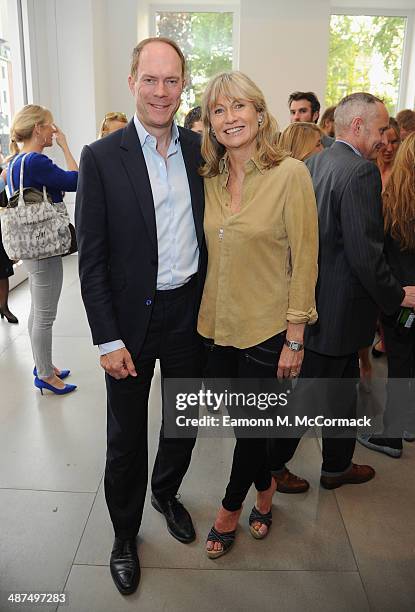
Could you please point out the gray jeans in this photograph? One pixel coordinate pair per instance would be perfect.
(45, 283)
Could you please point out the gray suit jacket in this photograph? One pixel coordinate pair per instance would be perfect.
(355, 282)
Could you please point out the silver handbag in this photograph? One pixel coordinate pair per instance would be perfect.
(32, 226)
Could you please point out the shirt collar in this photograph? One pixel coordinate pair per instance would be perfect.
(250, 165)
(145, 136)
(350, 145)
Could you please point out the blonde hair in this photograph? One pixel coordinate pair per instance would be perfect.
(235, 85)
(113, 116)
(299, 138)
(399, 196)
(23, 124)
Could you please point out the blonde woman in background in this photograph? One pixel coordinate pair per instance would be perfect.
(384, 161)
(34, 129)
(301, 139)
(262, 239)
(399, 334)
(112, 122)
(387, 153)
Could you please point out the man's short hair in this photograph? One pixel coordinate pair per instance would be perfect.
(194, 114)
(354, 105)
(406, 119)
(137, 52)
(305, 95)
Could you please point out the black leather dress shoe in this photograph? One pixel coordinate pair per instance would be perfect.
(124, 565)
(179, 521)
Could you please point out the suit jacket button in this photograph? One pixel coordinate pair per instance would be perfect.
(149, 302)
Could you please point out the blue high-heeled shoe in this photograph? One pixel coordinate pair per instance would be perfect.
(42, 384)
(62, 375)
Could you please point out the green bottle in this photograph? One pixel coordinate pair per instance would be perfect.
(406, 318)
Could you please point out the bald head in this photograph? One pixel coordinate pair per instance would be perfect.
(362, 120)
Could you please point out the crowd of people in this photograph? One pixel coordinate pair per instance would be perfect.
(261, 255)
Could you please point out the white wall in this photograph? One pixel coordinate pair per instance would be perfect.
(121, 38)
(284, 48)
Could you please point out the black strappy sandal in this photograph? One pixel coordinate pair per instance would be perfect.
(226, 539)
(257, 517)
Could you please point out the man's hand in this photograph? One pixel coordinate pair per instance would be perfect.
(118, 364)
(409, 299)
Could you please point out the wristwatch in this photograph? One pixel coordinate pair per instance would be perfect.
(293, 345)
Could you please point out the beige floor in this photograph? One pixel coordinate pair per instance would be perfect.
(348, 550)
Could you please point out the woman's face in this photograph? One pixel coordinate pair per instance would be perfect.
(388, 151)
(318, 146)
(235, 123)
(46, 131)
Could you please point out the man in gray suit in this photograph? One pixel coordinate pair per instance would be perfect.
(355, 281)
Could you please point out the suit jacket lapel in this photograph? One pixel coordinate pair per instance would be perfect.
(134, 162)
(192, 159)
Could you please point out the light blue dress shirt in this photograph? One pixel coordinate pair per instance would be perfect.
(178, 251)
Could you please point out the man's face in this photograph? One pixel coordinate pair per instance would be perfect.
(372, 133)
(158, 85)
(300, 110)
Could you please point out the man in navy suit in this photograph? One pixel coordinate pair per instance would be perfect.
(142, 262)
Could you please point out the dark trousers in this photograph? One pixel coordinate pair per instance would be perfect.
(337, 452)
(400, 401)
(250, 458)
(172, 338)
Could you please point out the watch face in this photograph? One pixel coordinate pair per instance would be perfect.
(293, 345)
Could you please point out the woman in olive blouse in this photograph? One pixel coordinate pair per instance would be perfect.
(262, 239)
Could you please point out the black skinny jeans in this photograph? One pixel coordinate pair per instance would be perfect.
(250, 458)
(400, 402)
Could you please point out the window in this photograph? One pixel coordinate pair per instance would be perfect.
(206, 39)
(7, 98)
(366, 54)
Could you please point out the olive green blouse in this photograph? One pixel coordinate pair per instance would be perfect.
(262, 260)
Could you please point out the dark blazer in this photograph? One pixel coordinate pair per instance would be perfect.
(117, 238)
(354, 279)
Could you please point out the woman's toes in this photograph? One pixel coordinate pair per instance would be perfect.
(209, 545)
(262, 529)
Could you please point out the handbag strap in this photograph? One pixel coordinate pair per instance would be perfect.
(11, 173)
(21, 199)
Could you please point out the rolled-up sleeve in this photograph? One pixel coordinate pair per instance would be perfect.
(301, 222)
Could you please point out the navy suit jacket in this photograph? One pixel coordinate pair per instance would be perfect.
(355, 281)
(116, 233)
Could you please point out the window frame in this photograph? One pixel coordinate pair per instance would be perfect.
(406, 92)
(17, 13)
(202, 8)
